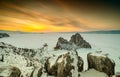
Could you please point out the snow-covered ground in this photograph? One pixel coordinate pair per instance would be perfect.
(108, 43)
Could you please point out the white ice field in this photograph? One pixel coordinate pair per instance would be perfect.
(107, 43)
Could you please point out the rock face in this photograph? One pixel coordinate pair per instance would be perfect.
(11, 72)
(4, 35)
(101, 63)
(65, 65)
(78, 40)
(75, 42)
(63, 44)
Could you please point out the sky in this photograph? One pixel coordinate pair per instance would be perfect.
(59, 15)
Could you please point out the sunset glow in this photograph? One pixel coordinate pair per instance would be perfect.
(57, 16)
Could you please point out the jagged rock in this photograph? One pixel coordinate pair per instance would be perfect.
(30, 57)
(11, 71)
(62, 44)
(65, 65)
(21, 51)
(75, 42)
(101, 63)
(4, 35)
(78, 40)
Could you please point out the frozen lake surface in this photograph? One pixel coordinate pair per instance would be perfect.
(108, 43)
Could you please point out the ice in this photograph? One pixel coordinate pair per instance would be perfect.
(93, 73)
(107, 43)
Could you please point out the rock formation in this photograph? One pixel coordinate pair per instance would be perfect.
(78, 40)
(101, 63)
(63, 44)
(65, 65)
(4, 35)
(75, 42)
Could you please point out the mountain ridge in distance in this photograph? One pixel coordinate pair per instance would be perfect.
(87, 32)
(104, 32)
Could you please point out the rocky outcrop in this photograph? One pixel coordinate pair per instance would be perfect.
(20, 51)
(78, 40)
(75, 42)
(101, 63)
(10, 71)
(63, 44)
(65, 65)
(4, 35)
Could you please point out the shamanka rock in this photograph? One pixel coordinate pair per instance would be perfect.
(101, 63)
(78, 40)
(75, 42)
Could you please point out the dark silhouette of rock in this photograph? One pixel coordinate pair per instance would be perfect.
(101, 63)
(62, 43)
(4, 35)
(12, 71)
(65, 65)
(78, 40)
(75, 42)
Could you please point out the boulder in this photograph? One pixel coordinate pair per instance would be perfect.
(101, 63)
(65, 65)
(10, 71)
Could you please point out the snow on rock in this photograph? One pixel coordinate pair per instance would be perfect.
(23, 58)
(75, 42)
(65, 65)
(37, 72)
(9, 71)
(101, 63)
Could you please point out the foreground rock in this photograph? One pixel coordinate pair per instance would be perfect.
(75, 42)
(23, 58)
(10, 71)
(37, 72)
(101, 63)
(4, 35)
(65, 65)
(7, 48)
